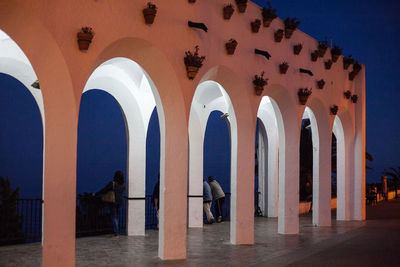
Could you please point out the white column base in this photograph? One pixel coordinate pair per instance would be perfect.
(195, 211)
(136, 210)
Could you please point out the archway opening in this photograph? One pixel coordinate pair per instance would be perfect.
(21, 146)
(212, 149)
(136, 95)
(217, 160)
(306, 167)
(102, 150)
(267, 159)
(152, 169)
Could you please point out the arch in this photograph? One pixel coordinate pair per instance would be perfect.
(284, 106)
(268, 151)
(321, 139)
(60, 130)
(209, 96)
(242, 153)
(172, 117)
(343, 130)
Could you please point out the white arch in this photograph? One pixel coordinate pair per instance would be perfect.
(14, 62)
(268, 148)
(209, 96)
(342, 172)
(128, 83)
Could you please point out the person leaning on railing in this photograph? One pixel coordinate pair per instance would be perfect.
(112, 194)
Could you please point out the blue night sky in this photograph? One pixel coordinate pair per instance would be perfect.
(368, 30)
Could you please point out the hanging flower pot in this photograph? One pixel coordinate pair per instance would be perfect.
(85, 37)
(259, 82)
(268, 14)
(314, 56)
(242, 5)
(283, 67)
(354, 98)
(228, 11)
(328, 64)
(334, 109)
(278, 35)
(320, 84)
(322, 46)
(347, 61)
(192, 1)
(193, 62)
(336, 52)
(231, 46)
(347, 94)
(297, 49)
(255, 25)
(149, 13)
(303, 94)
(291, 25)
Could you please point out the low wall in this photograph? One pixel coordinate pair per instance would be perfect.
(304, 207)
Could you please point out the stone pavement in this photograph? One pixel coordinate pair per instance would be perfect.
(375, 242)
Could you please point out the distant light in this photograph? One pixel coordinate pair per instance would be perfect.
(225, 115)
(36, 84)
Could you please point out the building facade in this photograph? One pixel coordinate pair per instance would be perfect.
(142, 67)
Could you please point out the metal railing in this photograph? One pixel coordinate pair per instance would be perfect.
(21, 222)
(92, 218)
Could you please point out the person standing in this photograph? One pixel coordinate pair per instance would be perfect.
(207, 200)
(156, 197)
(218, 196)
(117, 187)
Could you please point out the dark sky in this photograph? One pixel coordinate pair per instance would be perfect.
(369, 30)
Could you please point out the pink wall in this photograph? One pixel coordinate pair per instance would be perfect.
(46, 32)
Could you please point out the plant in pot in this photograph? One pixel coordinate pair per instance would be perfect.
(259, 82)
(228, 11)
(255, 25)
(283, 67)
(322, 46)
(231, 46)
(314, 56)
(149, 13)
(269, 14)
(328, 64)
(297, 48)
(347, 61)
(347, 94)
(85, 37)
(242, 5)
(193, 62)
(356, 69)
(336, 52)
(278, 35)
(334, 109)
(320, 84)
(354, 98)
(291, 25)
(303, 94)
(192, 1)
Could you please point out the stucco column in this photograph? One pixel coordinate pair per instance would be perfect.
(242, 187)
(322, 179)
(359, 148)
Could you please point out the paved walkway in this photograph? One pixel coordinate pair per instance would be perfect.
(375, 242)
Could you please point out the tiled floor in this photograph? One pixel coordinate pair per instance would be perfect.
(372, 243)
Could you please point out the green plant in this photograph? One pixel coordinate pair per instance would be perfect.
(193, 59)
(291, 23)
(347, 61)
(87, 30)
(260, 80)
(336, 50)
(239, 2)
(151, 6)
(322, 46)
(304, 92)
(268, 13)
(10, 221)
